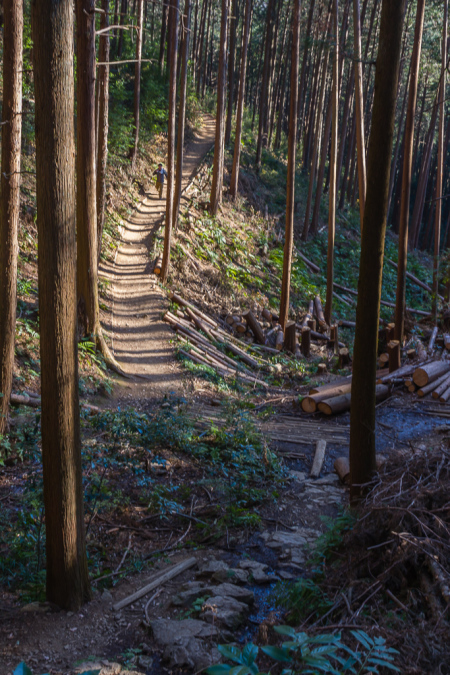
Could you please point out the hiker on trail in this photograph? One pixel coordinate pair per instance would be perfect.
(160, 173)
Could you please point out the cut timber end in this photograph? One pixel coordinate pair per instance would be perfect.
(429, 372)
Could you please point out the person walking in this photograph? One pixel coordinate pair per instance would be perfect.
(160, 172)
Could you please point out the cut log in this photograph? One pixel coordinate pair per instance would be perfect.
(279, 341)
(344, 357)
(414, 279)
(246, 358)
(393, 348)
(331, 385)
(319, 458)
(312, 266)
(158, 266)
(421, 351)
(321, 368)
(266, 314)
(445, 396)
(390, 331)
(338, 404)
(334, 338)
(442, 387)
(447, 342)
(430, 372)
(432, 340)
(411, 354)
(23, 399)
(181, 301)
(230, 320)
(311, 323)
(199, 324)
(306, 341)
(342, 468)
(412, 388)
(290, 337)
(319, 313)
(253, 324)
(161, 579)
(404, 371)
(240, 327)
(309, 314)
(347, 324)
(431, 386)
(310, 403)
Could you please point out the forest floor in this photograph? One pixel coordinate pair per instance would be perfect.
(178, 467)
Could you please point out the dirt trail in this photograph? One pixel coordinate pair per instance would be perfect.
(140, 339)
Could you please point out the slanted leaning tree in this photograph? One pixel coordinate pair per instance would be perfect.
(10, 194)
(362, 414)
(67, 571)
(292, 152)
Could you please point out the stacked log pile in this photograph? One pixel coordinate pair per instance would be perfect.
(198, 334)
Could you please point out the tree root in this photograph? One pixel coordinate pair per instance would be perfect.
(104, 350)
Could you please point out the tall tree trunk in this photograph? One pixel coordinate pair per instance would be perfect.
(440, 167)
(240, 106)
(333, 176)
(292, 151)
(67, 572)
(182, 110)
(173, 26)
(362, 413)
(306, 52)
(312, 168)
(10, 195)
(416, 218)
(137, 81)
(406, 174)
(359, 110)
(162, 44)
(217, 179)
(231, 67)
(262, 123)
(87, 287)
(103, 115)
(123, 16)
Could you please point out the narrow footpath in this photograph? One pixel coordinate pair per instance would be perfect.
(140, 339)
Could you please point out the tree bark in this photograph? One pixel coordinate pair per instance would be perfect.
(182, 110)
(217, 179)
(67, 572)
(87, 287)
(10, 195)
(440, 167)
(292, 151)
(406, 174)
(231, 68)
(162, 43)
(123, 15)
(359, 110)
(240, 106)
(333, 176)
(362, 416)
(137, 81)
(262, 123)
(103, 118)
(173, 26)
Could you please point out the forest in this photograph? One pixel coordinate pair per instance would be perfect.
(224, 337)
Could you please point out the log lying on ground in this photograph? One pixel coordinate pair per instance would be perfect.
(23, 399)
(312, 266)
(328, 386)
(332, 406)
(430, 372)
(181, 301)
(445, 396)
(442, 387)
(310, 403)
(347, 324)
(319, 458)
(158, 266)
(431, 386)
(279, 342)
(255, 327)
(161, 579)
(414, 279)
(383, 302)
(404, 371)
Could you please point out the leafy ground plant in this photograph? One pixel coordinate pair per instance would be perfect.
(304, 654)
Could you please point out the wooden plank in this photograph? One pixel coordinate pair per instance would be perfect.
(161, 579)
